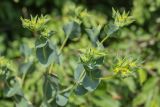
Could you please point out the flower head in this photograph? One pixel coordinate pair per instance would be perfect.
(123, 19)
(125, 67)
(35, 23)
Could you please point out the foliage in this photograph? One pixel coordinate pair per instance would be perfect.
(77, 56)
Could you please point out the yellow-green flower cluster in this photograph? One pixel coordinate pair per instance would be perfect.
(125, 67)
(123, 19)
(91, 54)
(4, 62)
(35, 23)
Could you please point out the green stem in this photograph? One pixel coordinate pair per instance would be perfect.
(63, 44)
(23, 77)
(82, 76)
(71, 88)
(104, 39)
(108, 77)
(60, 50)
(77, 82)
(50, 68)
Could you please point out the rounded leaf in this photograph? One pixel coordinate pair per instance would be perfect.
(61, 100)
(72, 30)
(80, 90)
(89, 83)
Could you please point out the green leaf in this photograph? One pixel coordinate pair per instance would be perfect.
(45, 104)
(80, 90)
(96, 73)
(89, 83)
(99, 61)
(41, 42)
(155, 101)
(61, 100)
(47, 54)
(110, 29)
(130, 83)
(94, 63)
(149, 84)
(13, 88)
(24, 68)
(72, 30)
(50, 88)
(104, 100)
(25, 50)
(149, 99)
(140, 99)
(78, 72)
(142, 76)
(93, 33)
(22, 102)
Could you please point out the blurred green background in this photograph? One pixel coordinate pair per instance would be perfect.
(140, 39)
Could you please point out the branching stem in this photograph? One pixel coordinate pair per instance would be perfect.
(104, 39)
(60, 50)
